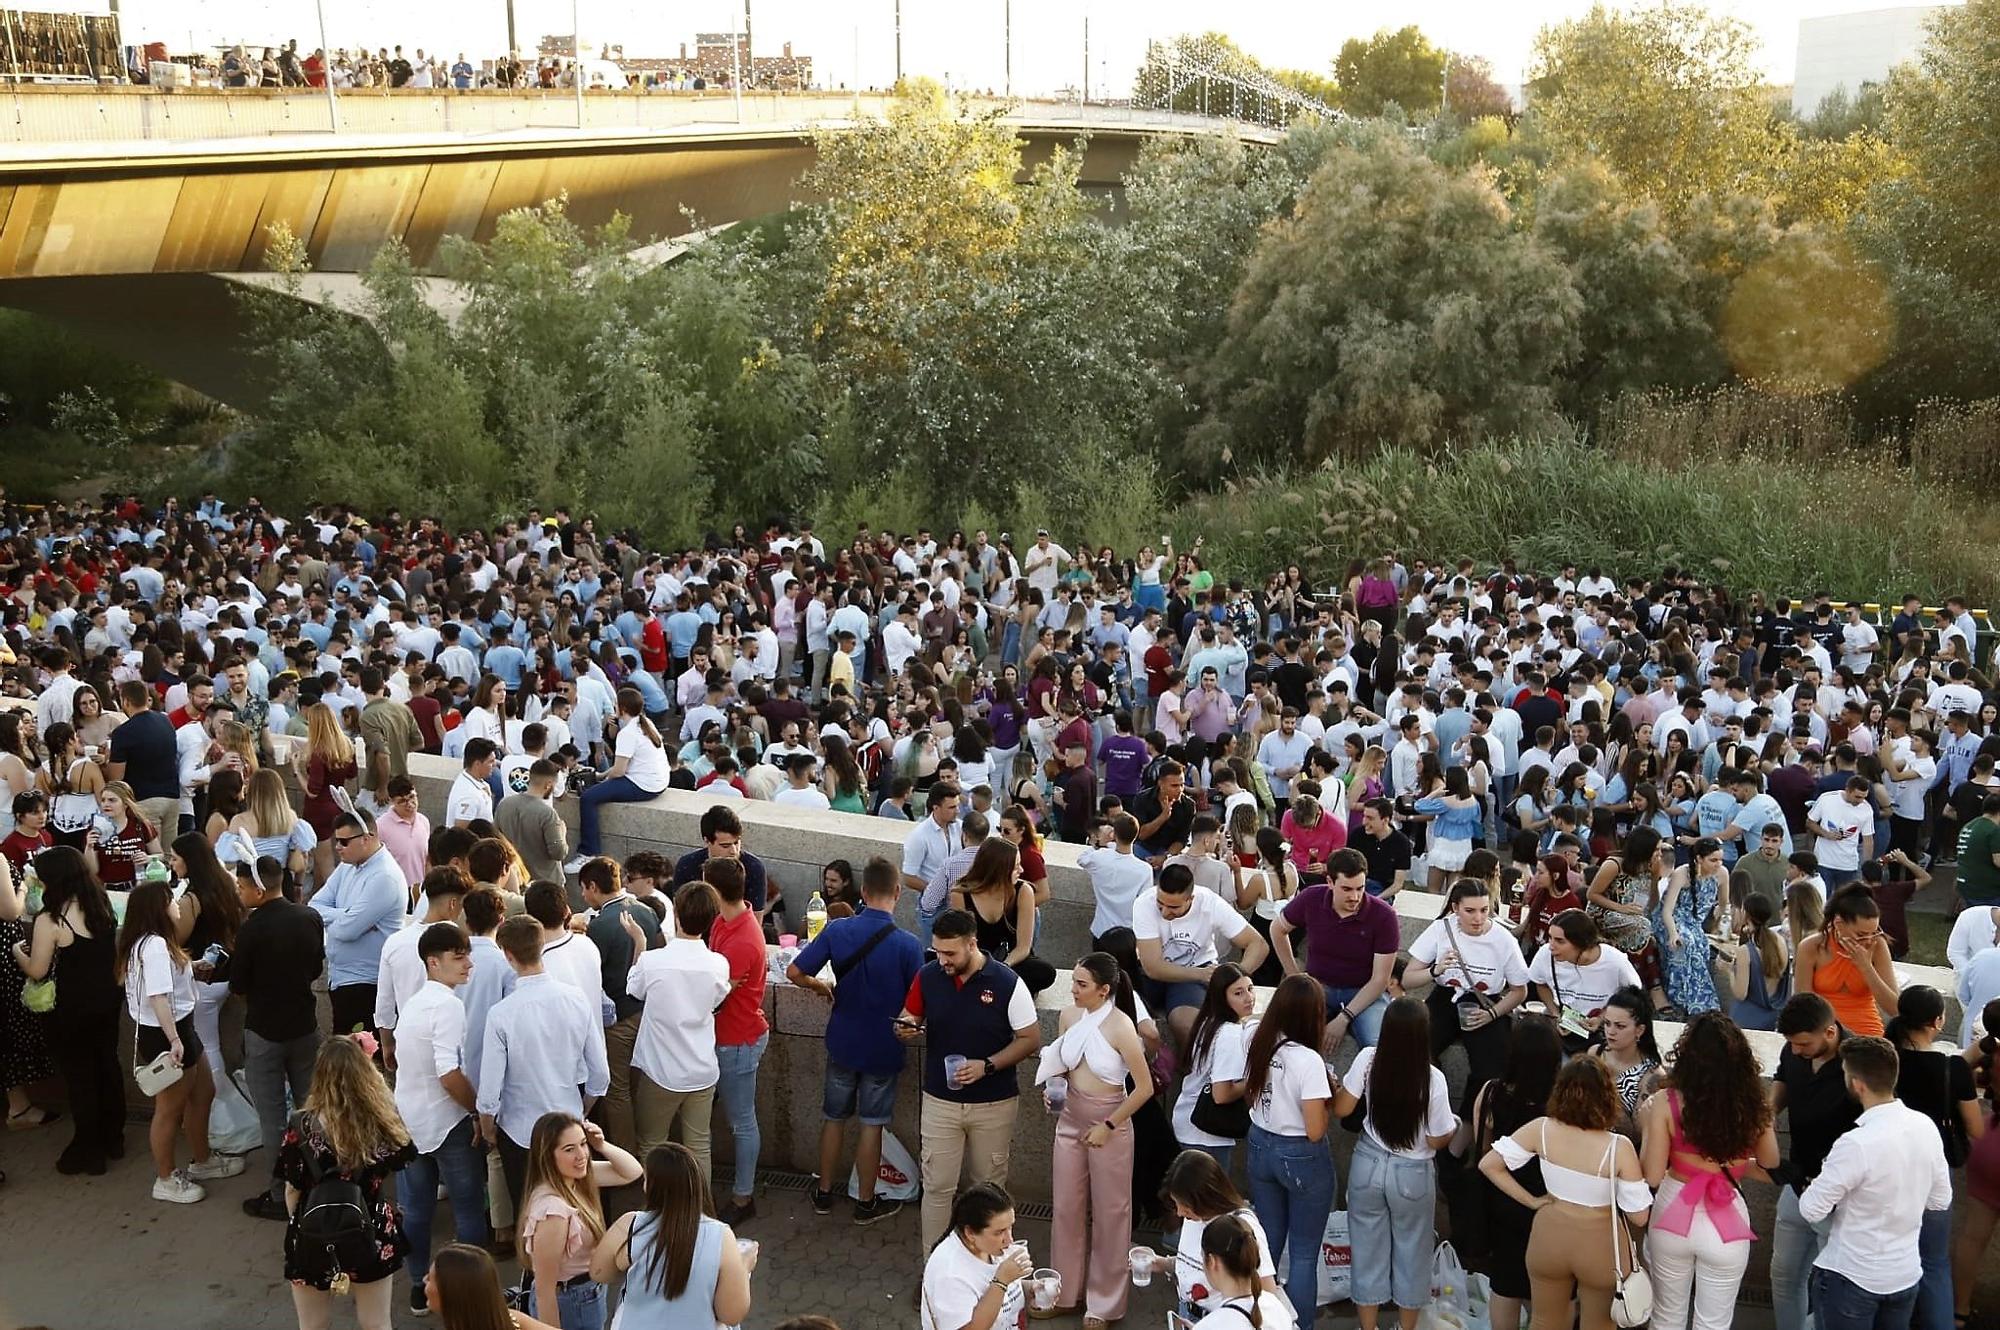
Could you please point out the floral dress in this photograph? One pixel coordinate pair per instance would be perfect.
(1689, 974)
(314, 1267)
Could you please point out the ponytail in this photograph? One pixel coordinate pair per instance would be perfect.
(1918, 1007)
(1103, 967)
(632, 703)
(1229, 1242)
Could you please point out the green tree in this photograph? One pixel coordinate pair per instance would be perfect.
(1668, 95)
(1470, 90)
(1841, 113)
(1401, 68)
(1398, 302)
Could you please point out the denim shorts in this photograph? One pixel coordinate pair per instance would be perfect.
(847, 1088)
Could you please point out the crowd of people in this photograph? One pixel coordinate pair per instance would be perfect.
(386, 67)
(1640, 801)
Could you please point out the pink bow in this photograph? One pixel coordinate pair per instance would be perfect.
(1711, 1192)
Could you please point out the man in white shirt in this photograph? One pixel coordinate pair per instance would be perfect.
(1176, 925)
(471, 798)
(570, 956)
(674, 1064)
(801, 790)
(900, 639)
(1844, 821)
(437, 1102)
(1117, 877)
(1882, 1183)
(931, 842)
(400, 973)
(1043, 564)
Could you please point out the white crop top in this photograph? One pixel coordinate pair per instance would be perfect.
(1567, 1184)
(1085, 1044)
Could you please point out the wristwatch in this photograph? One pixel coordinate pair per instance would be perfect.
(991, 1070)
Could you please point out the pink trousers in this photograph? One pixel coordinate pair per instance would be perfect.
(1091, 1193)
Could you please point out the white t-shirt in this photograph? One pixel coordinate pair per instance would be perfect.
(1222, 1060)
(1438, 1117)
(471, 800)
(1832, 811)
(1493, 958)
(1297, 1074)
(645, 761)
(1273, 1313)
(954, 1282)
(809, 797)
(1584, 988)
(152, 973)
(1189, 1276)
(1190, 939)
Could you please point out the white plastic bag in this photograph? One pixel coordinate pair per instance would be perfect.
(897, 1179)
(1336, 1261)
(1451, 1293)
(232, 1119)
(1478, 1303)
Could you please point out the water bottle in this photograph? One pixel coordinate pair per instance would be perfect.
(31, 886)
(155, 870)
(815, 915)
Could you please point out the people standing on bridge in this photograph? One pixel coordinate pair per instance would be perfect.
(363, 902)
(679, 987)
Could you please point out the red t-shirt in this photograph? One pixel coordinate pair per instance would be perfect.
(1544, 905)
(740, 941)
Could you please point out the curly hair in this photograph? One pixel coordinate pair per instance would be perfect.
(1715, 1071)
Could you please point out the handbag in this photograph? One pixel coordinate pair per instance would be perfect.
(1632, 1294)
(1471, 996)
(1231, 1120)
(39, 995)
(158, 1074)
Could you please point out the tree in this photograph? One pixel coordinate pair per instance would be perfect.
(1813, 317)
(1841, 113)
(1668, 96)
(1643, 325)
(1398, 303)
(1470, 90)
(1400, 68)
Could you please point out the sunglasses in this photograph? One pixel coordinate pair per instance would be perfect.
(343, 842)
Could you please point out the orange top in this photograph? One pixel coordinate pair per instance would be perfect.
(1846, 991)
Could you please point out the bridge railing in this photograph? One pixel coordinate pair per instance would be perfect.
(41, 120)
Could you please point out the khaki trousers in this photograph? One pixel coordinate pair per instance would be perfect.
(680, 1115)
(972, 1139)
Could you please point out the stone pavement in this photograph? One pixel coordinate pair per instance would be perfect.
(101, 1253)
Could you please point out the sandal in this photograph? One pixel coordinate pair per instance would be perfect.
(30, 1118)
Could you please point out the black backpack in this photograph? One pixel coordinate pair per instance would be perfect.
(333, 1215)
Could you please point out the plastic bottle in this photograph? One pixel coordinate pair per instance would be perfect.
(815, 915)
(155, 870)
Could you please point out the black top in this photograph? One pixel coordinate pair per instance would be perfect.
(1935, 1084)
(145, 744)
(688, 868)
(388, 1243)
(280, 950)
(1821, 1111)
(1174, 831)
(1386, 857)
(614, 947)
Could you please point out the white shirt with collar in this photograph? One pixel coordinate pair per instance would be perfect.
(471, 800)
(400, 975)
(430, 1043)
(681, 984)
(544, 1051)
(574, 959)
(1877, 1183)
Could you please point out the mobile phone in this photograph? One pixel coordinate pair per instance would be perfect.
(909, 1024)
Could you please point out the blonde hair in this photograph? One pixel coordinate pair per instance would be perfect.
(1243, 824)
(324, 738)
(124, 794)
(353, 1106)
(235, 737)
(269, 808)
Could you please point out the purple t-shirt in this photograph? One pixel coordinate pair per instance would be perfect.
(1124, 758)
(1341, 952)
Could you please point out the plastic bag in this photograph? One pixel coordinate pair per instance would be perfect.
(233, 1128)
(1451, 1293)
(1336, 1261)
(896, 1179)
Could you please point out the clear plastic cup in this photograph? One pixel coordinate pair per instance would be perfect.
(1142, 1266)
(1056, 1093)
(1044, 1290)
(952, 1062)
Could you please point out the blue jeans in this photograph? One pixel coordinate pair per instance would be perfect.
(1794, 1245)
(1841, 1304)
(1391, 1224)
(462, 1169)
(1934, 1300)
(738, 1092)
(616, 790)
(1291, 1191)
(581, 1306)
(1367, 1027)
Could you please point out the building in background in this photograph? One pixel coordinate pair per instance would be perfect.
(1848, 50)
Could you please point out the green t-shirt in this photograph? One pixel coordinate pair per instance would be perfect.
(1978, 878)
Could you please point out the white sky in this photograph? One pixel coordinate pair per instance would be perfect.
(959, 38)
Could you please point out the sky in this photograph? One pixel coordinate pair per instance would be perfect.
(960, 40)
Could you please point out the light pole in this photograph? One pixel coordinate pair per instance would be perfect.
(326, 70)
(1007, 21)
(735, 67)
(1086, 57)
(513, 45)
(576, 55)
(899, 42)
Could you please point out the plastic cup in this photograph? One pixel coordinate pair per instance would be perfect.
(952, 1062)
(1056, 1093)
(1142, 1266)
(788, 939)
(1045, 1290)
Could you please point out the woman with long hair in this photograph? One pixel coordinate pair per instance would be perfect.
(1391, 1183)
(1095, 1078)
(1017, 825)
(1517, 1096)
(1847, 962)
(159, 995)
(1198, 1191)
(1621, 898)
(349, 1129)
(1456, 823)
(1003, 911)
(272, 828)
(1627, 1047)
(1700, 1237)
(328, 767)
(77, 926)
(1695, 891)
(72, 782)
(639, 772)
(225, 801)
(121, 840)
(17, 764)
(972, 1277)
(846, 790)
(1760, 968)
(462, 1288)
(562, 1216)
(1215, 1056)
(92, 722)
(1940, 1086)
(1286, 1082)
(1592, 1176)
(207, 916)
(681, 1266)
(1230, 1254)
(1478, 976)
(1805, 912)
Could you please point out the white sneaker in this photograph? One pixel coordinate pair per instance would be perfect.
(178, 1187)
(215, 1166)
(575, 863)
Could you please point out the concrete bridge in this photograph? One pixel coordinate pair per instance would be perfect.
(124, 211)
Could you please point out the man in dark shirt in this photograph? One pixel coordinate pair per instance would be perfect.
(1386, 849)
(1124, 756)
(1292, 676)
(144, 756)
(1076, 791)
(1165, 813)
(604, 892)
(1812, 1089)
(280, 950)
(722, 837)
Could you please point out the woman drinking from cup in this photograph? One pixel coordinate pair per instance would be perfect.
(973, 1277)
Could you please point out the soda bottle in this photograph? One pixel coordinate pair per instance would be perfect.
(815, 915)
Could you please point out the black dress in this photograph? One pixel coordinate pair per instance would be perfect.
(1507, 1222)
(24, 1052)
(998, 938)
(305, 1264)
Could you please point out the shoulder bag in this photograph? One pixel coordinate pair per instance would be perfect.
(39, 995)
(1632, 1295)
(1471, 997)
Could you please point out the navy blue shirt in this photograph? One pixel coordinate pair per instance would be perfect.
(145, 744)
(974, 1019)
(860, 1034)
(688, 869)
